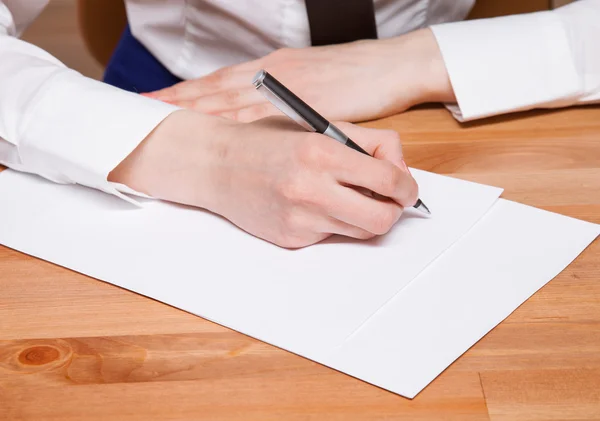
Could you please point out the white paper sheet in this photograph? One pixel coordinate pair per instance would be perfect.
(510, 254)
(343, 303)
(305, 300)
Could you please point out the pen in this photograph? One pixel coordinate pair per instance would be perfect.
(296, 109)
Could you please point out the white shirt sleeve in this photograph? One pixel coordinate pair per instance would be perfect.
(57, 123)
(539, 60)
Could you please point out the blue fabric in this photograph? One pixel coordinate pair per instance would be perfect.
(133, 68)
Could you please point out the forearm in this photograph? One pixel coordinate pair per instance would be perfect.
(419, 73)
(176, 161)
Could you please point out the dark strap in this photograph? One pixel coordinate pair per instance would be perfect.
(339, 21)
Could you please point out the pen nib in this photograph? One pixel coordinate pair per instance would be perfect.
(422, 207)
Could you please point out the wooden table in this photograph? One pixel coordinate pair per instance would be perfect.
(74, 348)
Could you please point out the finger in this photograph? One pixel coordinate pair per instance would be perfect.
(335, 226)
(378, 176)
(224, 79)
(381, 144)
(368, 214)
(231, 100)
(252, 113)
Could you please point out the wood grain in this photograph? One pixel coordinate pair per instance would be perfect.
(72, 348)
(543, 395)
(222, 375)
(78, 349)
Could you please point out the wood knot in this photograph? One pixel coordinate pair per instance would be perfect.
(39, 355)
(32, 356)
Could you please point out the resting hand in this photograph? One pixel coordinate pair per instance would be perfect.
(351, 82)
(279, 183)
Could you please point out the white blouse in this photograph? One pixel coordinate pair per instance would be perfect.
(71, 129)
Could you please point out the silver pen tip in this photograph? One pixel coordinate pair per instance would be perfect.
(422, 207)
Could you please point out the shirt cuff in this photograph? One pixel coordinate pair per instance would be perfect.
(78, 130)
(507, 64)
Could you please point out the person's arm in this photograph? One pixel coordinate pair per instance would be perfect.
(290, 187)
(538, 60)
(478, 68)
(56, 123)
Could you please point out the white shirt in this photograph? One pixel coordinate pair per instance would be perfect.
(71, 129)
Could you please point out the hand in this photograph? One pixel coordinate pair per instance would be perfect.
(273, 180)
(351, 82)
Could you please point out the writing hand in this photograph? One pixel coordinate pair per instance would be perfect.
(279, 183)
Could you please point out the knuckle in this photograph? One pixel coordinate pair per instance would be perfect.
(314, 153)
(287, 190)
(299, 194)
(294, 230)
(232, 97)
(390, 179)
(383, 221)
(215, 79)
(293, 191)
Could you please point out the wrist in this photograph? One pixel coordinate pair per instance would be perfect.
(175, 161)
(422, 65)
